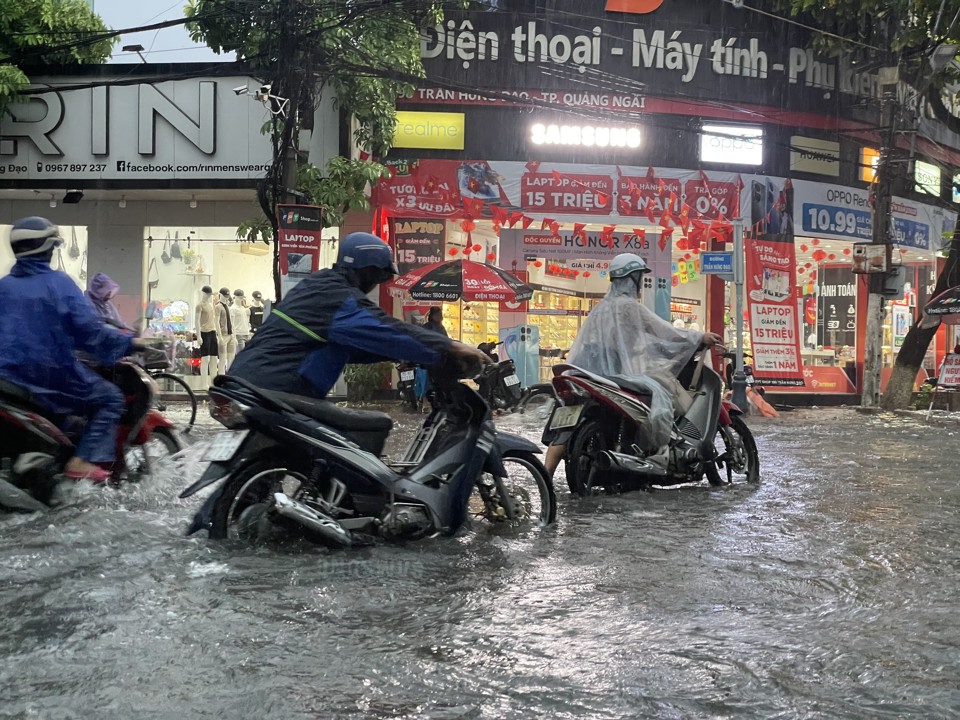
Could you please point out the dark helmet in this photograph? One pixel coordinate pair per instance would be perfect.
(256, 295)
(225, 291)
(207, 290)
(238, 292)
(362, 250)
(34, 236)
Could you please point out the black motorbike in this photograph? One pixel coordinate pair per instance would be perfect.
(406, 386)
(498, 382)
(306, 466)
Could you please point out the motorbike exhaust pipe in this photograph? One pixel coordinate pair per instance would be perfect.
(325, 526)
(620, 462)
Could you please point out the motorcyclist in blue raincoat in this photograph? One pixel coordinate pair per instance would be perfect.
(45, 319)
(327, 320)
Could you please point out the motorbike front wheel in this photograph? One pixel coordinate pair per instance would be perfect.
(738, 456)
(528, 489)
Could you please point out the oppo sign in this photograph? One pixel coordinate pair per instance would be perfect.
(585, 135)
(731, 145)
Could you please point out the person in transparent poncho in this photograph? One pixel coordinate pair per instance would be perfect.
(622, 338)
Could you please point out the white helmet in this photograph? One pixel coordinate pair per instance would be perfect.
(626, 263)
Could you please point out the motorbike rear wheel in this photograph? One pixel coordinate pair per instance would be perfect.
(738, 455)
(240, 511)
(141, 459)
(528, 487)
(588, 440)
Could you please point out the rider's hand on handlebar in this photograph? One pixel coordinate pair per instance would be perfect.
(710, 339)
(467, 356)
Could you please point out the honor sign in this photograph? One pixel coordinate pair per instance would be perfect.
(185, 129)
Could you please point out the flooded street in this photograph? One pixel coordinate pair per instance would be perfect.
(827, 591)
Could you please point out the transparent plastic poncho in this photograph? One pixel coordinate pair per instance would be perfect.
(622, 338)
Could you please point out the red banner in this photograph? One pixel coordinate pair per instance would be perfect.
(771, 299)
(649, 196)
(566, 193)
(298, 242)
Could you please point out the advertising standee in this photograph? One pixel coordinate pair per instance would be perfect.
(771, 265)
(300, 228)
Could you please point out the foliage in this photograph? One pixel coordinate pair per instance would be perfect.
(921, 399)
(364, 52)
(34, 33)
(364, 380)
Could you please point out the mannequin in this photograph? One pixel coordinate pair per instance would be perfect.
(256, 312)
(240, 316)
(228, 343)
(207, 329)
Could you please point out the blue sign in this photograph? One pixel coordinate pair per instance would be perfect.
(716, 263)
(857, 224)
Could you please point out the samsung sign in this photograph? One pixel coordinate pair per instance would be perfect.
(585, 135)
(185, 129)
(731, 145)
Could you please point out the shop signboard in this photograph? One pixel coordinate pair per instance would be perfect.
(950, 371)
(843, 213)
(419, 242)
(771, 299)
(836, 307)
(567, 193)
(192, 129)
(300, 227)
(812, 155)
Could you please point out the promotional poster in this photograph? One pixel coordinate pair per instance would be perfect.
(299, 243)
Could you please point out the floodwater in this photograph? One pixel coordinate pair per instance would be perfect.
(827, 591)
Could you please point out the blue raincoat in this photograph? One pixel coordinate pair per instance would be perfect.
(44, 319)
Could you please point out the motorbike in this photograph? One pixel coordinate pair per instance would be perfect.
(602, 422)
(293, 465)
(35, 445)
(498, 381)
(406, 386)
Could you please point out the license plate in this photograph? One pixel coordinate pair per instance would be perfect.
(225, 445)
(564, 416)
(511, 380)
(406, 375)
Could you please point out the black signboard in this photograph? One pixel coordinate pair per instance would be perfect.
(836, 307)
(419, 242)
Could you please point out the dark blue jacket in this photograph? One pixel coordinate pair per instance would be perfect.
(322, 324)
(44, 319)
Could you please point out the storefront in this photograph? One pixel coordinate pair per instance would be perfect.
(559, 168)
(131, 170)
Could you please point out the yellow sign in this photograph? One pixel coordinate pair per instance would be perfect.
(429, 130)
(869, 157)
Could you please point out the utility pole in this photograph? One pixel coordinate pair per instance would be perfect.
(739, 386)
(873, 352)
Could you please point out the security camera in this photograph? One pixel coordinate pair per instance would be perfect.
(265, 90)
(240, 90)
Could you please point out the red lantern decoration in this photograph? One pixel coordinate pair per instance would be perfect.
(491, 256)
(846, 251)
(819, 256)
(813, 275)
(808, 265)
(815, 241)
(804, 248)
(696, 251)
(537, 263)
(586, 273)
(831, 256)
(467, 250)
(453, 251)
(682, 244)
(468, 225)
(477, 248)
(687, 256)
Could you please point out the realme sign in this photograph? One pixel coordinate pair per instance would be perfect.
(429, 130)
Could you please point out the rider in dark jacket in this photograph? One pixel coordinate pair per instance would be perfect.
(327, 321)
(45, 319)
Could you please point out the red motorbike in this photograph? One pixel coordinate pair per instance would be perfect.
(603, 423)
(35, 446)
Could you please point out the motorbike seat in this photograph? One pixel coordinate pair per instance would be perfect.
(631, 385)
(347, 419)
(21, 396)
